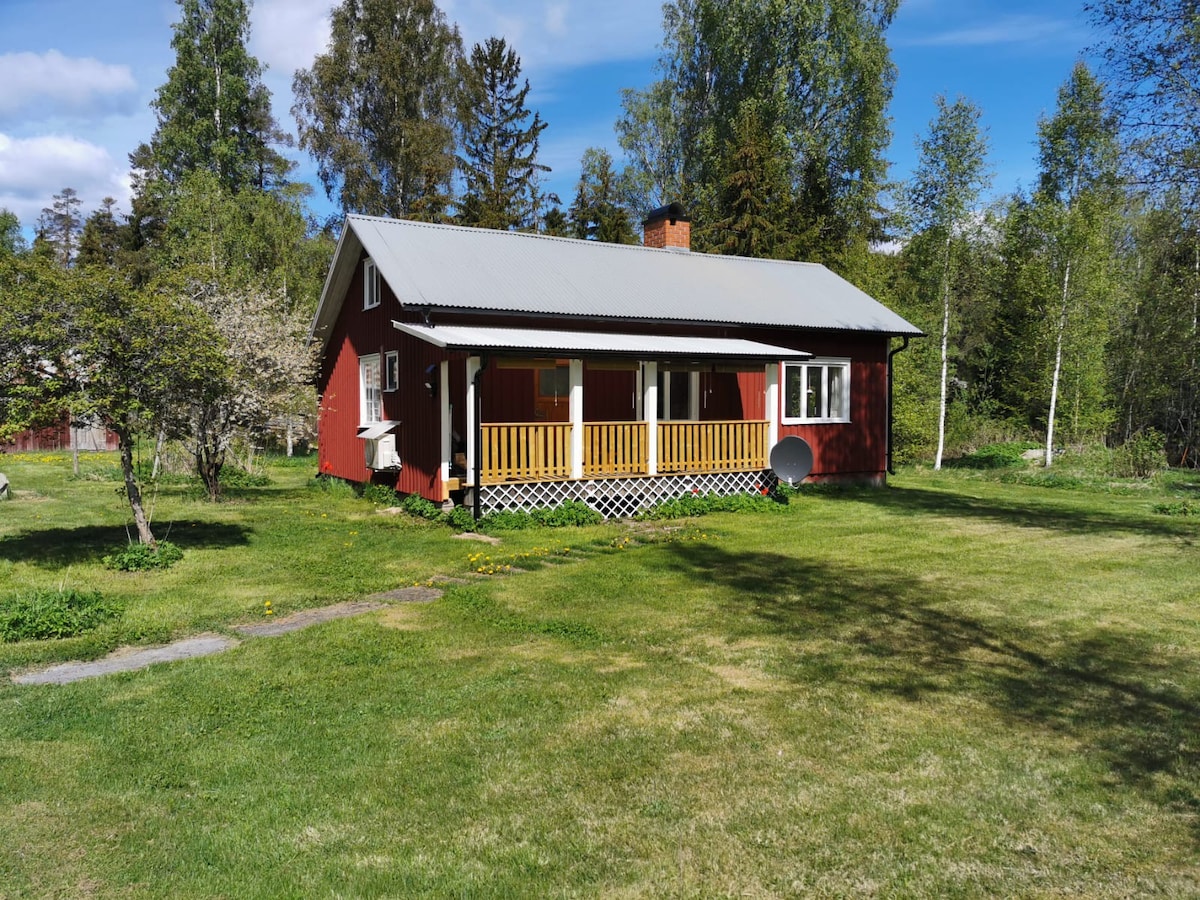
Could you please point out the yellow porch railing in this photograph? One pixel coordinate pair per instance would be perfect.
(735, 446)
(615, 448)
(526, 451)
(537, 451)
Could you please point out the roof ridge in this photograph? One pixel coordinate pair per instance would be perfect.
(674, 251)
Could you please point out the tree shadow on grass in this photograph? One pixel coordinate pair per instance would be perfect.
(1108, 691)
(1042, 508)
(56, 547)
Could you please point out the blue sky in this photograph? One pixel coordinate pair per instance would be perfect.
(77, 77)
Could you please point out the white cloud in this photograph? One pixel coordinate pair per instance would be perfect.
(287, 34)
(547, 34)
(33, 170)
(1013, 29)
(49, 83)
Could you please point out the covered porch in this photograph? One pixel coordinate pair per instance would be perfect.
(674, 396)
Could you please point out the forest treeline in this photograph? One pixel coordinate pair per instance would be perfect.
(1066, 313)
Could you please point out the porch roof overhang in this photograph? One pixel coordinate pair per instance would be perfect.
(533, 341)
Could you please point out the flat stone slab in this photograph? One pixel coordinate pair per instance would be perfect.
(306, 617)
(128, 659)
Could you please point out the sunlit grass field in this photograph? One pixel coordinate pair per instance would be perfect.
(953, 686)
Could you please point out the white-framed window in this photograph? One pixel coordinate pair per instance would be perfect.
(369, 393)
(816, 391)
(370, 284)
(391, 370)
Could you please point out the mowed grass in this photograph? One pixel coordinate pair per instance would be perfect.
(949, 687)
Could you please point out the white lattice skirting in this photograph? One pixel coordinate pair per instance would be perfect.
(616, 497)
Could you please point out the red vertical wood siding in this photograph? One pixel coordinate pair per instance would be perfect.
(357, 333)
(609, 395)
(857, 448)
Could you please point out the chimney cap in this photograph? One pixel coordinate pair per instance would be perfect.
(673, 211)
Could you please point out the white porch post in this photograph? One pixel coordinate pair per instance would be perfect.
(650, 410)
(444, 403)
(576, 408)
(772, 405)
(694, 396)
(472, 425)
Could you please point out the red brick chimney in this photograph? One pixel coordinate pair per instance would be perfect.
(668, 226)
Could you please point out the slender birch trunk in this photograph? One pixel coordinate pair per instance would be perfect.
(941, 445)
(1058, 354)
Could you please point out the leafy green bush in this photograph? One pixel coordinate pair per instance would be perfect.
(995, 456)
(1141, 456)
(697, 504)
(380, 495)
(1178, 508)
(233, 477)
(49, 614)
(335, 487)
(141, 557)
(416, 505)
(568, 513)
(461, 519)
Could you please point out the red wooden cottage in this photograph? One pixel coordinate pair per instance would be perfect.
(503, 369)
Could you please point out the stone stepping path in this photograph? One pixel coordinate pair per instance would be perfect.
(129, 659)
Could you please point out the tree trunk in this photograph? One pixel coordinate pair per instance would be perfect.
(1058, 354)
(941, 445)
(125, 445)
(158, 445)
(291, 437)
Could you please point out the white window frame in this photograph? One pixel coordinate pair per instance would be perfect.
(370, 403)
(815, 375)
(391, 371)
(371, 290)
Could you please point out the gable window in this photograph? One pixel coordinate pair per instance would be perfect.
(816, 391)
(370, 285)
(370, 396)
(391, 370)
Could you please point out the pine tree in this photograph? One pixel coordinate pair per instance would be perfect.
(499, 144)
(214, 112)
(58, 228)
(376, 110)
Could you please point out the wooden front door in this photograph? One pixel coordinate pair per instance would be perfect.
(552, 402)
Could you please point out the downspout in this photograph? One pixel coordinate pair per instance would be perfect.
(890, 379)
(477, 499)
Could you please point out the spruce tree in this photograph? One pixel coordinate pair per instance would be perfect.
(214, 112)
(499, 144)
(597, 213)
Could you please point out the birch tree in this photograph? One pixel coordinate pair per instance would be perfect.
(1075, 203)
(942, 195)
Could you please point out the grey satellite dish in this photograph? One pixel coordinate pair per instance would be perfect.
(791, 459)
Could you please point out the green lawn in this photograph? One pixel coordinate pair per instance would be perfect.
(951, 687)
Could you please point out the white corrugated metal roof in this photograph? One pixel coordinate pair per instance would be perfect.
(471, 269)
(635, 346)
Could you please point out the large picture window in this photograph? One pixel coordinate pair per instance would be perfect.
(816, 391)
(370, 394)
(370, 285)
